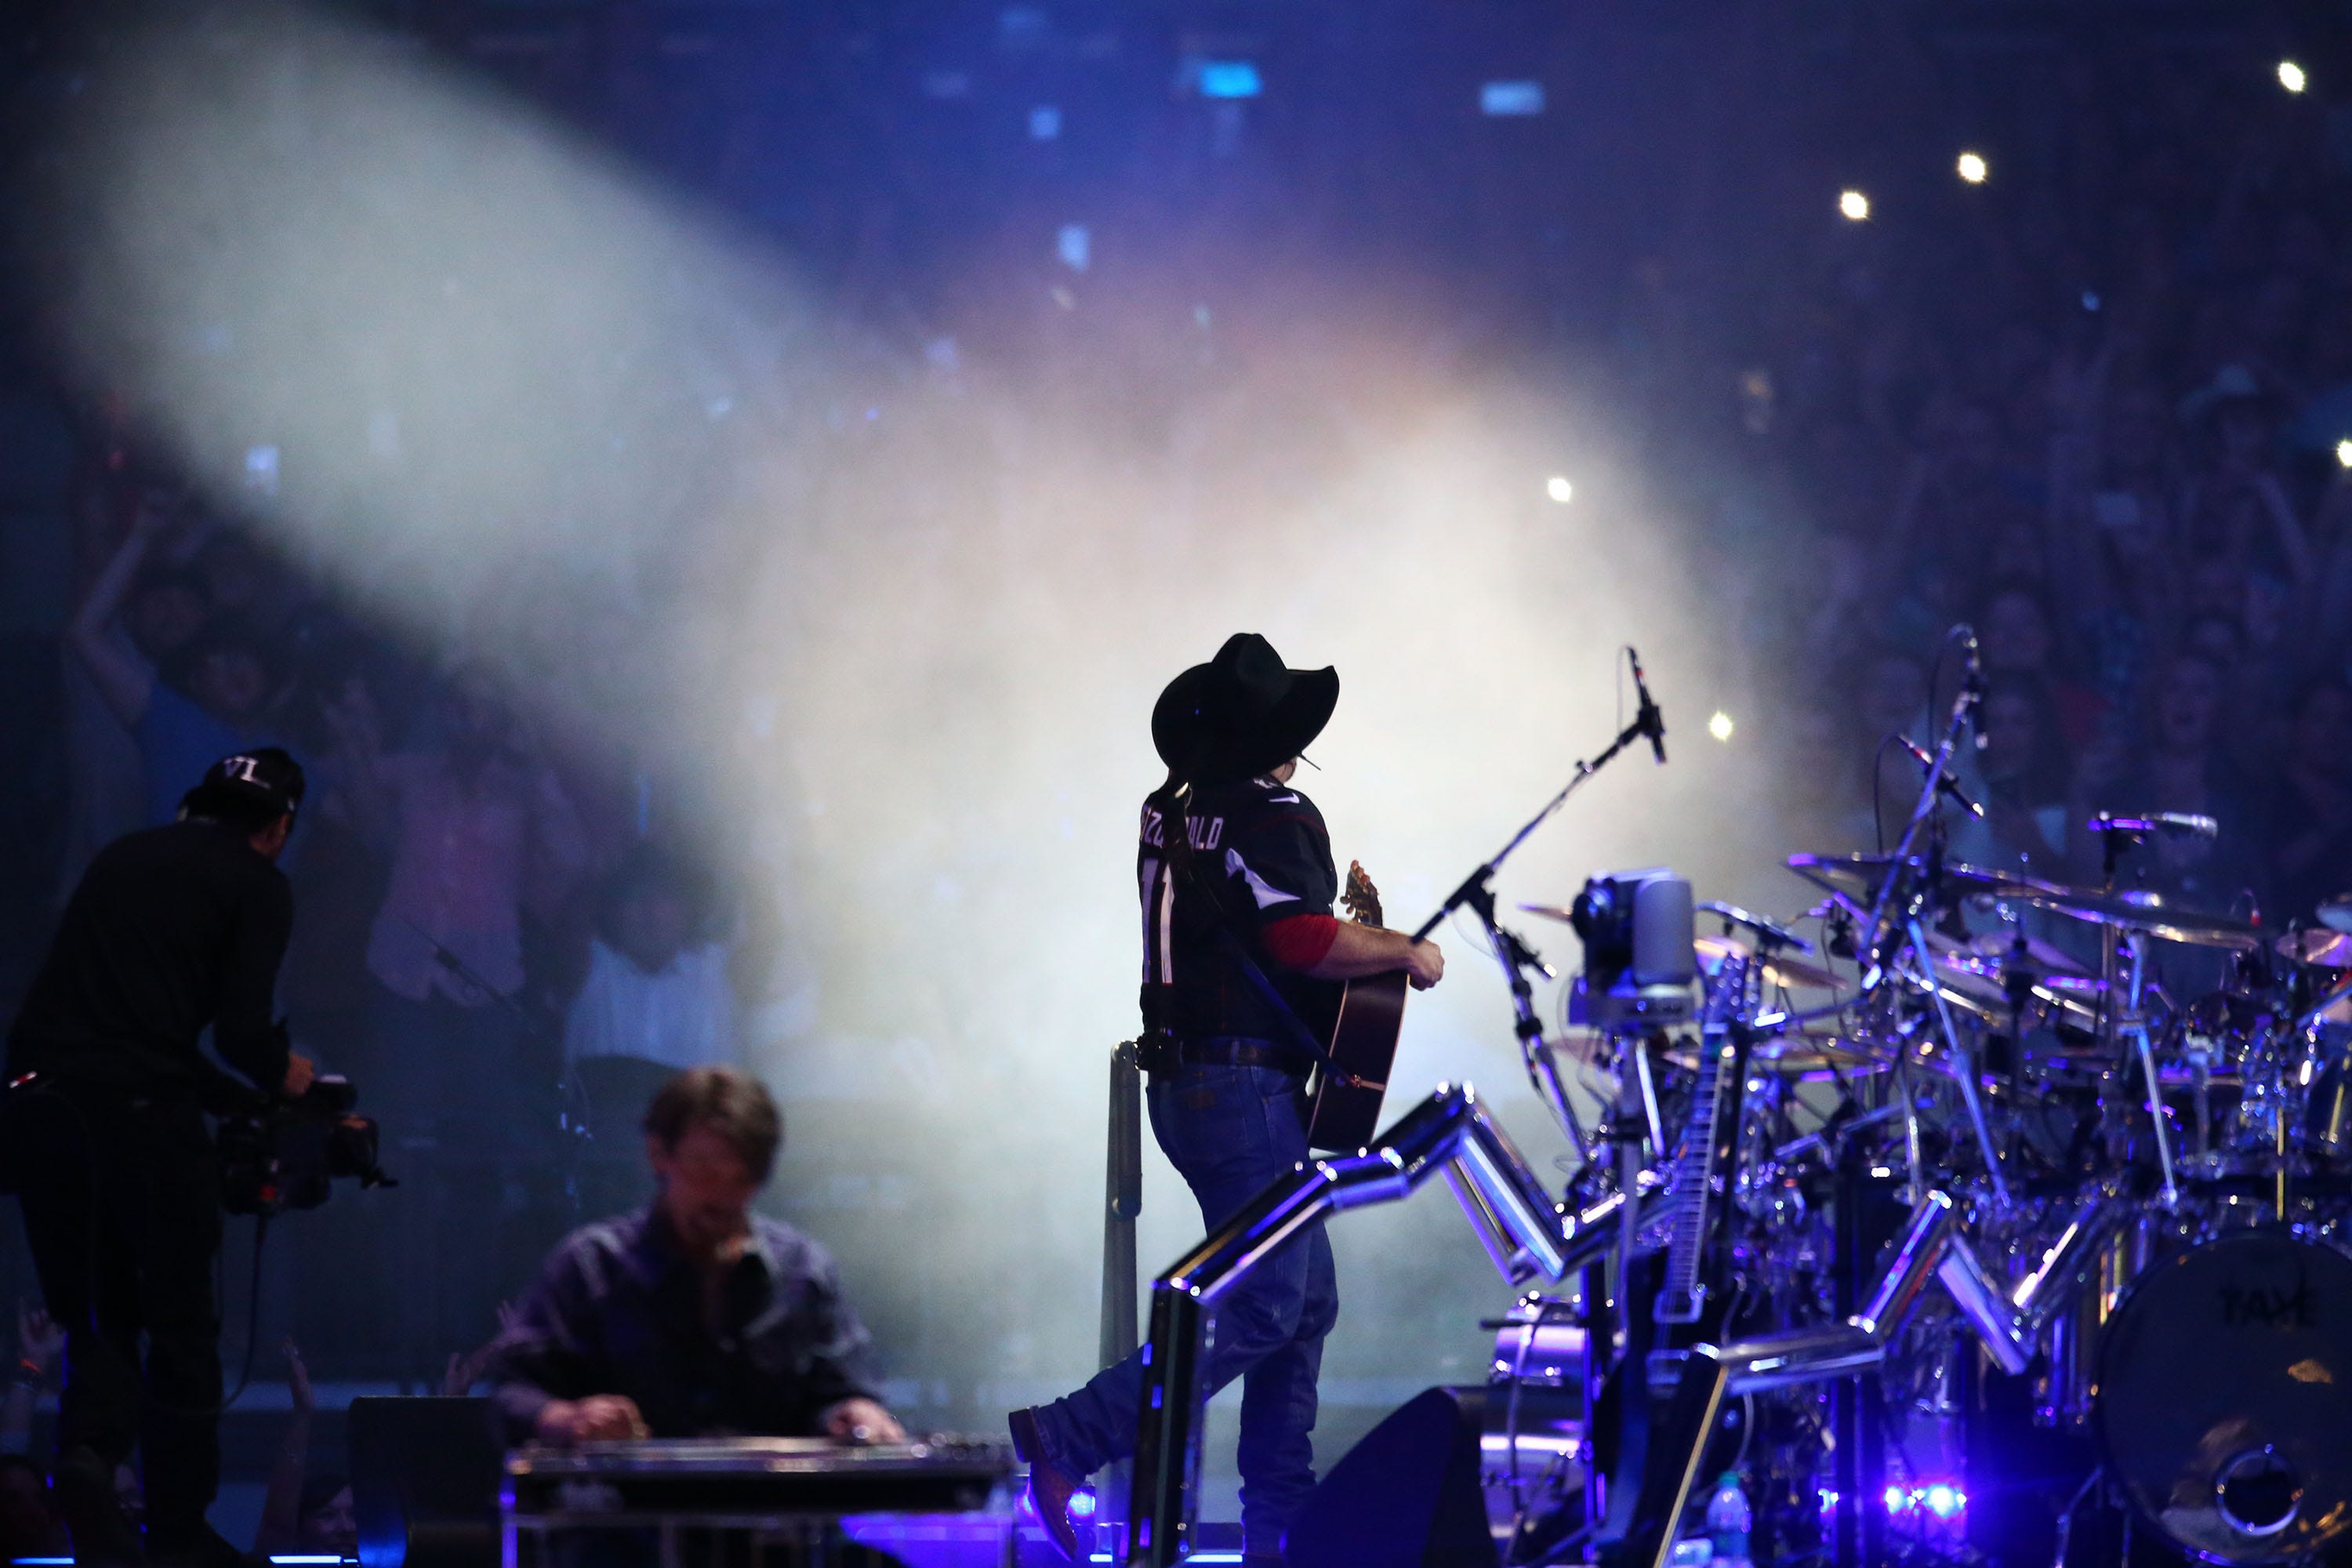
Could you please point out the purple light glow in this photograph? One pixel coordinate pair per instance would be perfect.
(1942, 1499)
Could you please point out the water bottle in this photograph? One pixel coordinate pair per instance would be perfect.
(1729, 1521)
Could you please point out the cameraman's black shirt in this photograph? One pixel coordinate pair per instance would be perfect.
(1260, 851)
(171, 928)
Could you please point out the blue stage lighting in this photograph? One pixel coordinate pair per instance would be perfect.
(1230, 79)
(1511, 98)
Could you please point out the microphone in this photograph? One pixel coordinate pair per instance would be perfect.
(2171, 823)
(1946, 785)
(1972, 691)
(1647, 717)
(1771, 932)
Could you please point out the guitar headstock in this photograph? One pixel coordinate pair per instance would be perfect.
(1726, 989)
(1359, 897)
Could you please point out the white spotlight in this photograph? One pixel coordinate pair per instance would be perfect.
(2344, 452)
(1854, 204)
(1719, 726)
(1559, 490)
(2291, 77)
(1973, 169)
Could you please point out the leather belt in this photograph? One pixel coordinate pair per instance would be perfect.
(1239, 1051)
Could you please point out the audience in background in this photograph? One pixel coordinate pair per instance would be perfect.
(212, 702)
(657, 989)
(479, 834)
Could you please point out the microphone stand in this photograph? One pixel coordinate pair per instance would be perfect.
(1476, 894)
(1894, 928)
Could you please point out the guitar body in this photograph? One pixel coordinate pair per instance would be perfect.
(1345, 1113)
(1363, 1043)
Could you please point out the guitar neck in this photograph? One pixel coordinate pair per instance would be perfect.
(1698, 1166)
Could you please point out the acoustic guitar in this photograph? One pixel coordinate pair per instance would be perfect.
(1345, 1112)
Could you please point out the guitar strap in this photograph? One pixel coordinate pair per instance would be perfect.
(1293, 1024)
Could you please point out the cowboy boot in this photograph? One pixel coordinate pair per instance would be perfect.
(1050, 1485)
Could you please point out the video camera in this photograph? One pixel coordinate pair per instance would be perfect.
(1638, 962)
(286, 1154)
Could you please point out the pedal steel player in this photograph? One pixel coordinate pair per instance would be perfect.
(693, 1317)
(1247, 883)
(173, 929)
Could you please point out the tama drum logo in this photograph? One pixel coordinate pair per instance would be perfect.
(2259, 1307)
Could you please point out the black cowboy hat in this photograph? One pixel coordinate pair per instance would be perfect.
(1241, 713)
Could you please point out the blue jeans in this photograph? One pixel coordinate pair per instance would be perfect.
(1229, 1132)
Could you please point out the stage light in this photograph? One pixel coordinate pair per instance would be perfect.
(2344, 452)
(1944, 1502)
(1559, 490)
(2291, 77)
(1230, 79)
(1511, 98)
(1854, 204)
(1897, 1500)
(1719, 726)
(1082, 1504)
(1075, 246)
(1044, 122)
(1973, 169)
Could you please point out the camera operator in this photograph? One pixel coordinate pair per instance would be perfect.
(170, 930)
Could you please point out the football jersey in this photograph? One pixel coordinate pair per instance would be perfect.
(1260, 848)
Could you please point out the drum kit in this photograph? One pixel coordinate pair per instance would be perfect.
(2123, 1126)
(2198, 1376)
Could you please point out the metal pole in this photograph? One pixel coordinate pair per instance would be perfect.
(1122, 1201)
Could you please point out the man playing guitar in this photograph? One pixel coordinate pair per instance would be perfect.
(1243, 958)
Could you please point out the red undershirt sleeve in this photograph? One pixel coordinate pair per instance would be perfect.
(1300, 941)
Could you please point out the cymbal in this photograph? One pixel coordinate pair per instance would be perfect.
(1809, 1055)
(1862, 873)
(2323, 948)
(2006, 951)
(2152, 913)
(1799, 1055)
(2336, 914)
(1794, 973)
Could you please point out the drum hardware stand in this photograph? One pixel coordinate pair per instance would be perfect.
(2132, 1021)
(1963, 1062)
(2115, 835)
(1900, 891)
(2066, 1515)
(1930, 1246)
(1649, 1082)
(1593, 1282)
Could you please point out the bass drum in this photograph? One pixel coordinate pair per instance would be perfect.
(2224, 1399)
